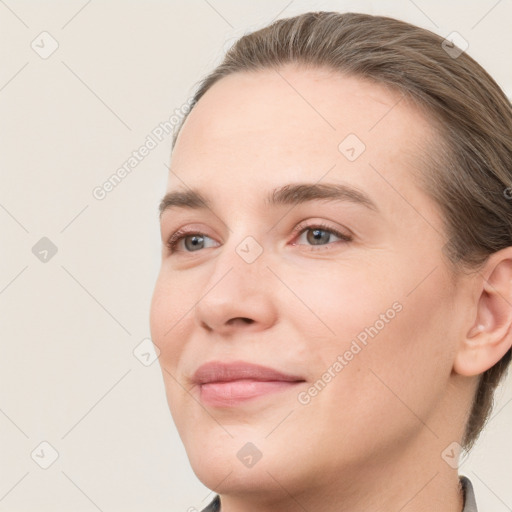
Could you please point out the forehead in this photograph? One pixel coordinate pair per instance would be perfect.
(270, 127)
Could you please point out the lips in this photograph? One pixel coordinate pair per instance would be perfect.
(230, 384)
(239, 370)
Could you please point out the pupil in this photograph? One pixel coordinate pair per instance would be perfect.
(196, 240)
(317, 235)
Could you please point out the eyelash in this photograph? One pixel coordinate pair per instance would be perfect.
(180, 234)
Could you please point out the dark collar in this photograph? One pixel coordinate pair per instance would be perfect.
(469, 495)
(214, 506)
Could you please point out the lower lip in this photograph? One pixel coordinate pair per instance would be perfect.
(232, 393)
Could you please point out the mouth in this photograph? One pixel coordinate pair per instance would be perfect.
(230, 384)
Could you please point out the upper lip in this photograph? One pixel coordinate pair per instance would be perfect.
(217, 371)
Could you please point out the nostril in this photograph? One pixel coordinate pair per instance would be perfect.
(206, 326)
(241, 319)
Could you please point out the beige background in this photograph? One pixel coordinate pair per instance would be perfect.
(70, 325)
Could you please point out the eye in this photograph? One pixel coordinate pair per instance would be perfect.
(320, 233)
(196, 241)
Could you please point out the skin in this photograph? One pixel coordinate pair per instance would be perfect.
(372, 439)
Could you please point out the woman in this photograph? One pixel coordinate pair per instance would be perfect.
(333, 309)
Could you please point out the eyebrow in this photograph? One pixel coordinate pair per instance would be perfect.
(291, 194)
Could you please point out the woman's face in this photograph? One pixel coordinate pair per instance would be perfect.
(350, 295)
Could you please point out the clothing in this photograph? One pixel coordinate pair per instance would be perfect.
(469, 495)
(469, 498)
(214, 506)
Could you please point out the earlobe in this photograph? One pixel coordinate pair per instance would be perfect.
(489, 337)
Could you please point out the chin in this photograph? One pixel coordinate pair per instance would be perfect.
(224, 476)
(245, 463)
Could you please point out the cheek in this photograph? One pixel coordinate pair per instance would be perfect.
(167, 324)
(394, 339)
(403, 370)
(168, 317)
(337, 300)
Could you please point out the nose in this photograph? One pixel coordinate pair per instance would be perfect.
(238, 294)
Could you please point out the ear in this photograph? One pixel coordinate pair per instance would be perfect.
(490, 336)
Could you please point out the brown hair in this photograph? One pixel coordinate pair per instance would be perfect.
(470, 172)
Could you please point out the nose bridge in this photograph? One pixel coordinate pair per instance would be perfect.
(243, 258)
(238, 285)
